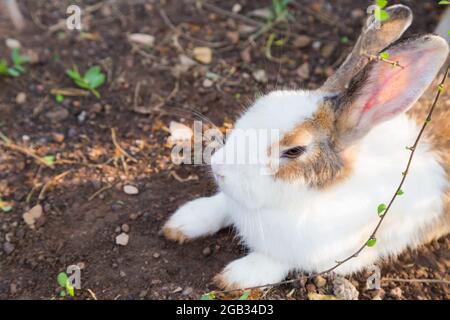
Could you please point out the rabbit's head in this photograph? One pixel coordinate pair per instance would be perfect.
(307, 140)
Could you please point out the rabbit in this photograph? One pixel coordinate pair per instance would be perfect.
(341, 152)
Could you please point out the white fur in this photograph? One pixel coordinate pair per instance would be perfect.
(289, 226)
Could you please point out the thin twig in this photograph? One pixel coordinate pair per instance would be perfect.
(51, 182)
(98, 192)
(437, 281)
(119, 148)
(7, 143)
(379, 58)
(176, 30)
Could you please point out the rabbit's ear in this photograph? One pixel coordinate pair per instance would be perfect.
(375, 36)
(382, 91)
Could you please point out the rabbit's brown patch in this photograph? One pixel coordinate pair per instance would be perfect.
(322, 165)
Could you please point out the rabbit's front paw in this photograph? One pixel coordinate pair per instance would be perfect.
(197, 218)
(252, 270)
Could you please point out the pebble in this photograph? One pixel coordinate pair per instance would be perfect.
(133, 216)
(207, 251)
(178, 289)
(302, 41)
(208, 83)
(82, 117)
(320, 281)
(122, 239)
(130, 190)
(12, 43)
(203, 54)
(156, 255)
(327, 50)
(260, 76)
(396, 293)
(303, 71)
(32, 215)
(142, 39)
(143, 293)
(58, 115)
(344, 289)
(125, 228)
(21, 98)
(8, 247)
(237, 7)
(188, 291)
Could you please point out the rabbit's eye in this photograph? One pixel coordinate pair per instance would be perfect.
(293, 152)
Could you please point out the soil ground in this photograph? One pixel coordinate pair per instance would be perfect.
(77, 228)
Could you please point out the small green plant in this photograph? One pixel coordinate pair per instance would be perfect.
(444, 2)
(50, 160)
(280, 11)
(208, 296)
(91, 80)
(5, 206)
(66, 286)
(380, 14)
(18, 62)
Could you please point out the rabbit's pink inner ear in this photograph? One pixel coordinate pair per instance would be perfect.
(388, 90)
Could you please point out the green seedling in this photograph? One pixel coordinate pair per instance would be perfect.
(50, 160)
(17, 68)
(5, 206)
(92, 79)
(64, 283)
(380, 14)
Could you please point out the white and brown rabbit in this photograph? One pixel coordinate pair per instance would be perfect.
(341, 153)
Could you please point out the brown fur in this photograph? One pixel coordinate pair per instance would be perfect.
(322, 165)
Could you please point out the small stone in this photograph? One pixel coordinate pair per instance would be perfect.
(208, 83)
(320, 281)
(122, 239)
(82, 117)
(236, 8)
(58, 137)
(188, 291)
(134, 216)
(357, 13)
(178, 289)
(260, 76)
(327, 50)
(31, 216)
(203, 54)
(125, 228)
(234, 36)
(344, 289)
(8, 247)
(142, 39)
(21, 98)
(130, 190)
(207, 251)
(122, 273)
(316, 45)
(13, 288)
(396, 293)
(58, 115)
(303, 71)
(143, 293)
(156, 255)
(302, 41)
(12, 43)
(310, 287)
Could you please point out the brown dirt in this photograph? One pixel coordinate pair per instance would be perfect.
(78, 230)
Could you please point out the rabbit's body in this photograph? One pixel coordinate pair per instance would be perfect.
(339, 153)
(331, 225)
